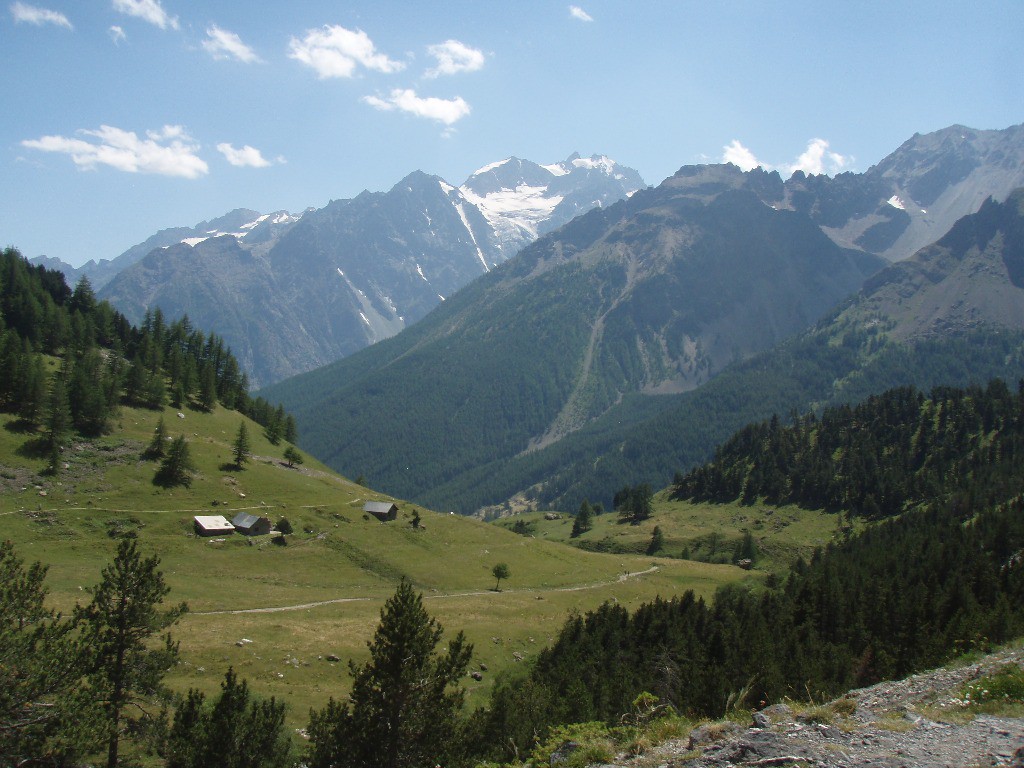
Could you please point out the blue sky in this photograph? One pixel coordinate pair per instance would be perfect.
(122, 117)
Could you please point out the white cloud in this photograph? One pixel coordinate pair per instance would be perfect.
(117, 34)
(30, 14)
(740, 156)
(245, 157)
(447, 111)
(147, 10)
(817, 159)
(222, 44)
(167, 152)
(334, 51)
(578, 13)
(454, 57)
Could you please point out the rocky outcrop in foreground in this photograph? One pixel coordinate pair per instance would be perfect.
(920, 722)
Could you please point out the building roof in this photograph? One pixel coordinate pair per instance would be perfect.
(244, 520)
(213, 522)
(379, 506)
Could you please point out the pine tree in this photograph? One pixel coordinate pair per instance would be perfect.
(32, 390)
(275, 426)
(177, 467)
(208, 387)
(405, 703)
(657, 541)
(238, 731)
(241, 446)
(158, 445)
(291, 431)
(118, 624)
(44, 717)
(584, 519)
(58, 420)
(89, 402)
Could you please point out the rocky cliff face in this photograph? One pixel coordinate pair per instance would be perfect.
(971, 278)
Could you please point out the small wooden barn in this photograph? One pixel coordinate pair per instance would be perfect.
(251, 525)
(212, 525)
(382, 510)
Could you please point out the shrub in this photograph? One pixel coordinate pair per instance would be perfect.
(1005, 685)
(594, 739)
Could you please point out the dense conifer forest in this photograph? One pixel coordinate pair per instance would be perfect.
(878, 458)
(945, 576)
(105, 361)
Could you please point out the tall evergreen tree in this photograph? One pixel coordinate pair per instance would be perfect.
(158, 445)
(584, 519)
(241, 446)
(58, 420)
(44, 717)
(177, 467)
(404, 709)
(119, 623)
(237, 731)
(86, 394)
(207, 387)
(31, 391)
(657, 542)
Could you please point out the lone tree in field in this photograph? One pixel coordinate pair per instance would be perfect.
(404, 708)
(584, 519)
(500, 571)
(241, 446)
(119, 626)
(292, 456)
(177, 467)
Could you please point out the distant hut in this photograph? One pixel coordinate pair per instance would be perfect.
(251, 525)
(382, 510)
(212, 525)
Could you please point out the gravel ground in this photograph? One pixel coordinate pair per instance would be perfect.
(899, 724)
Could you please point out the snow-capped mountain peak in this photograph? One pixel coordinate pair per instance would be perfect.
(259, 229)
(522, 200)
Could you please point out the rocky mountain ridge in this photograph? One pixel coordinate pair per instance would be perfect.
(294, 293)
(655, 294)
(908, 200)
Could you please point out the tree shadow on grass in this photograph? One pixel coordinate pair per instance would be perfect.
(20, 427)
(36, 448)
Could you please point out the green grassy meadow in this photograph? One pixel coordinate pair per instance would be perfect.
(276, 613)
(705, 532)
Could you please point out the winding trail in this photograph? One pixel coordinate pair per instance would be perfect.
(304, 606)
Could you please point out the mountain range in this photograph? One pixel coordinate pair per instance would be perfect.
(533, 383)
(293, 292)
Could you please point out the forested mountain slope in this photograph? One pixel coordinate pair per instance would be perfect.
(944, 574)
(655, 294)
(949, 316)
(104, 361)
